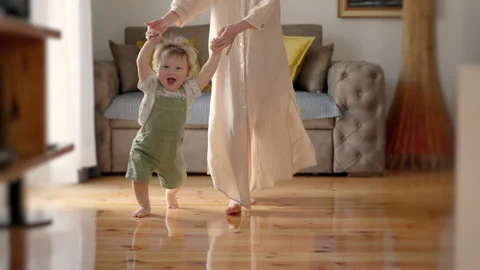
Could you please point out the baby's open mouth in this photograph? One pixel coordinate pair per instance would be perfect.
(171, 81)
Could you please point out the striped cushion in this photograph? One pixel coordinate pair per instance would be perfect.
(312, 106)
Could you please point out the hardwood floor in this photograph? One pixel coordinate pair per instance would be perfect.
(399, 221)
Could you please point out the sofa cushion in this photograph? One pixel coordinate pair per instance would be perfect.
(312, 106)
(322, 123)
(316, 106)
(313, 75)
(296, 47)
(317, 124)
(125, 107)
(125, 57)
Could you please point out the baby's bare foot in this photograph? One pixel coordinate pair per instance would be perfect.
(141, 193)
(171, 199)
(141, 212)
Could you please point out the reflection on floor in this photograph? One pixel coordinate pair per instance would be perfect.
(395, 222)
(68, 243)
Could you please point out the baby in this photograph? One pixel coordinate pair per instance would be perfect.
(169, 91)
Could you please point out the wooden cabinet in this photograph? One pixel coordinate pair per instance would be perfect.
(23, 123)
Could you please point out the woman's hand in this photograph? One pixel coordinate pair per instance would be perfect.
(227, 34)
(226, 37)
(159, 25)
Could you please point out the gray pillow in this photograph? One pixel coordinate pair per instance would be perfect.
(313, 75)
(125, 57)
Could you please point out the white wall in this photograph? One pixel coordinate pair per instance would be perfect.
(374, 40)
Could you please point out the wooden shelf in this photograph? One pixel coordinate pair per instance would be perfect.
(19, 167)
(22, 27)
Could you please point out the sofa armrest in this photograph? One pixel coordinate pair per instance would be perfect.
(106, 88)
(106, 84)
(358, 88)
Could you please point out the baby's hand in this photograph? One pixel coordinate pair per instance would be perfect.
(215, 47)
(151, 34)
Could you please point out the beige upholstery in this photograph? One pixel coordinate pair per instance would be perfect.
(195, 149)
(353, 145)
(359, 137)
(106, 88)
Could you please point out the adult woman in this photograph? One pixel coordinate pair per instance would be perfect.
(255, 136)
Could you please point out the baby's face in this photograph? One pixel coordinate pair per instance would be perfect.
(173, 72)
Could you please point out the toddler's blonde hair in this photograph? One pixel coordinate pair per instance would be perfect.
(175, 46)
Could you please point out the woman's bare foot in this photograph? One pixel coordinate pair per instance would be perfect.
(141, 193)
(234, 222)
(171, 198)
(141, 212)
(234, 208)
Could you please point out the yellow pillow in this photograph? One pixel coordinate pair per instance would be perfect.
(192, 43)
(297, 47)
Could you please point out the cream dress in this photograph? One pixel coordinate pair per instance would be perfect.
(256, 136)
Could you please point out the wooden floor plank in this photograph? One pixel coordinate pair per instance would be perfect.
(398, 221)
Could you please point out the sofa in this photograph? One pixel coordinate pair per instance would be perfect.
(351, 142)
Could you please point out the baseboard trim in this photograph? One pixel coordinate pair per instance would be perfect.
(365, 174)
(86, 173)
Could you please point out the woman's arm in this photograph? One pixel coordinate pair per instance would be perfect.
(256, 19)
(259, 15)
(171, 17)
(181, 12)
(188, 10)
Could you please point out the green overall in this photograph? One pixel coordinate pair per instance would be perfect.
(158, 144)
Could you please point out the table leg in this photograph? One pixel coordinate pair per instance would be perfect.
(16, 208)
